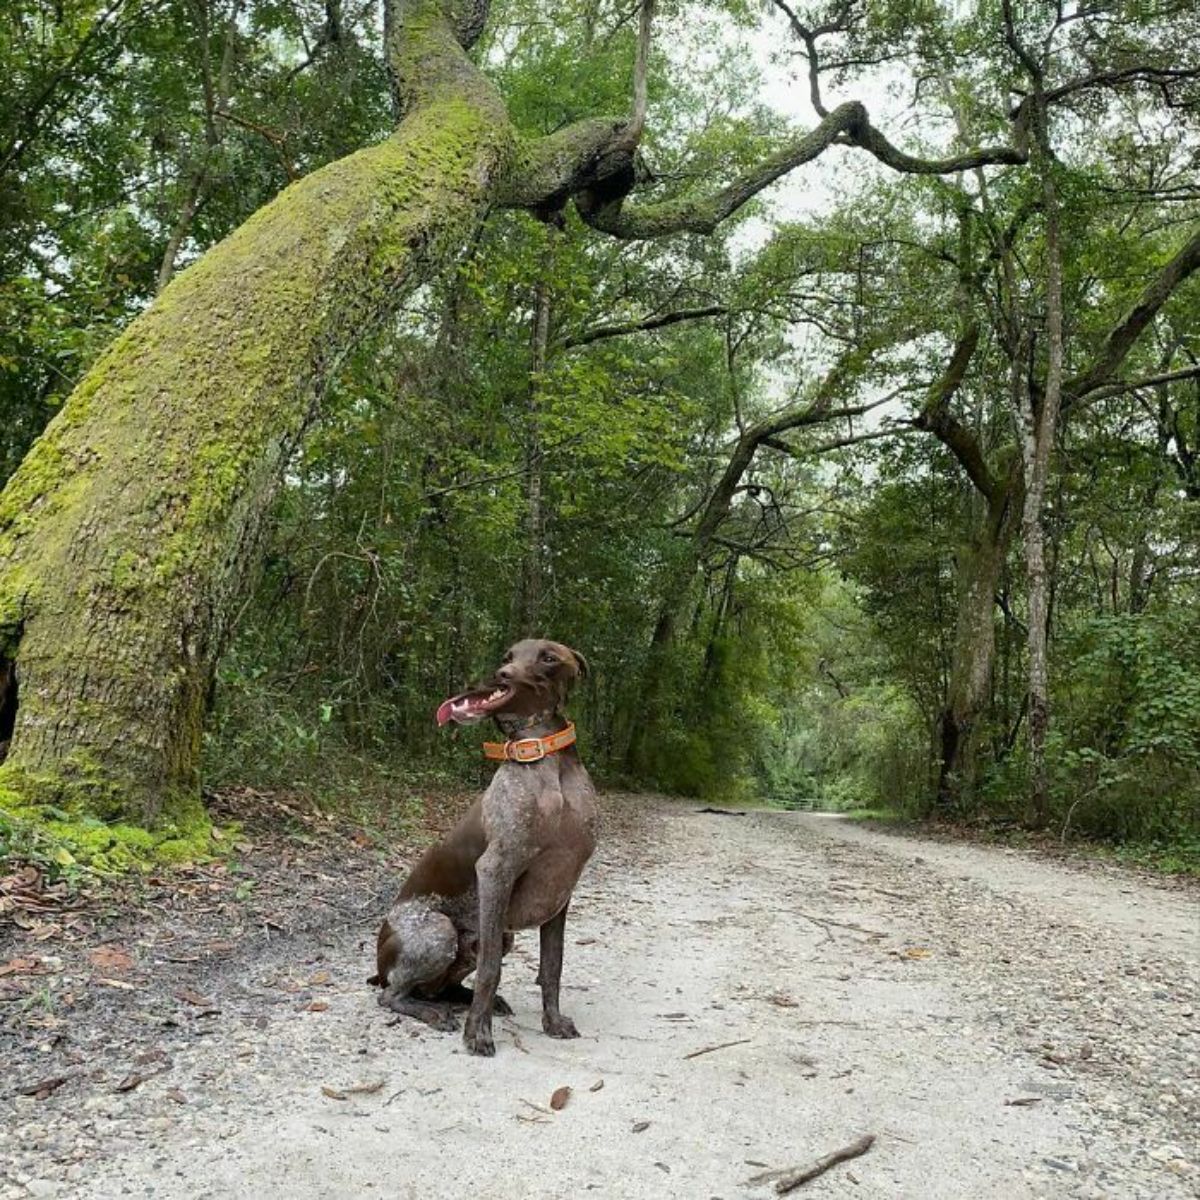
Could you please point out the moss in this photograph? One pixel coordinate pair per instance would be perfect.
(67, 844)
(83, 788)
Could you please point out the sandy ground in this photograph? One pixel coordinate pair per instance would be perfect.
(868, 983)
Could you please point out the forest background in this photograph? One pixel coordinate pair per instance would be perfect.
(880, 492)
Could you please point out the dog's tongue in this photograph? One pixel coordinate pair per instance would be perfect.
(470, 706)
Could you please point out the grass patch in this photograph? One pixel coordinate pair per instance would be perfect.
(885, 816)
(1165, 858)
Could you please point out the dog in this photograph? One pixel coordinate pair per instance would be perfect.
(510, 863)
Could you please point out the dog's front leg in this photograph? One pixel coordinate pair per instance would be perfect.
(549, 975)
(496, 877)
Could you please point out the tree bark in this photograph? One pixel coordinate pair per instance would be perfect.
(1037, 426)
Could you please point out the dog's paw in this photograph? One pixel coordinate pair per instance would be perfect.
(501, 1007)
(480, 1043)
(445, 1023)
(559, 1026)
(478, 1040)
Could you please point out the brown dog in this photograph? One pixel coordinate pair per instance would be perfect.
(510, 863)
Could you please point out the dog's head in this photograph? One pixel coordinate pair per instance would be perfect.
(533, 677)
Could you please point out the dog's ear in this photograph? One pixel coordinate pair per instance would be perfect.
(584, 669)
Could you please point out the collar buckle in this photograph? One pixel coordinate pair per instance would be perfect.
(525, 750)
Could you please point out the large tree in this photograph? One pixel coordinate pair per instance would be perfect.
(129, 533)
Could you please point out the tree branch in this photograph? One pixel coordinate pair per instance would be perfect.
(1115, 389)
(935, 417)
(599, 332)
(901, 429)
(807, 36)
(1123, 335)
(607, 213)
(641, 64)
(1139, 73)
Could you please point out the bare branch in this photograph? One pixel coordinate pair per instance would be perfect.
(807, 36)
(277, 141)
(641, 64)
(1115, 389)
(1139, 73)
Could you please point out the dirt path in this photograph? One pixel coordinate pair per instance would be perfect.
(871, 984)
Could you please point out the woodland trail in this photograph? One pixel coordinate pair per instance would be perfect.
(754, 992)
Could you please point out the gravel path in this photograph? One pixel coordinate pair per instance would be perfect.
(863, 982)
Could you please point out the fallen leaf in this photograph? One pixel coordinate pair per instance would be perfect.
(365, 1089)
(43, 1088)
(189, 996)
(320, 978)
(357, 1089)
(131, 1081)
(783, 1000)
(596, 1086)
(560, 1098)
(641, 1126)
(111, 959)
(1023, 1101)
(176, 1095)
(317, 1006)
(916, 952)
(116, 983)
(20, 966)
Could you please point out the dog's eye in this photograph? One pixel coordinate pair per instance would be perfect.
(548, 657)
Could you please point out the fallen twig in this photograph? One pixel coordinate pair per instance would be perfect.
(516, 1037)
(719, 1046)
(790, 1182)
(829, 921)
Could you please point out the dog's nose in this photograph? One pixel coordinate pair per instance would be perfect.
(506, 672)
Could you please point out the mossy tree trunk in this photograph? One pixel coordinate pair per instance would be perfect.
(968, 688)
(129, 536)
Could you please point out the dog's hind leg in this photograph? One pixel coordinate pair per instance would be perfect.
(550, 975)
(433, 1013)
(455, 993)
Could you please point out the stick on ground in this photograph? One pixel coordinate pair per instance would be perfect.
(790, 1182)
(710, 1049)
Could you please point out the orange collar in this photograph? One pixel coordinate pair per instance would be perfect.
(528, 750)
